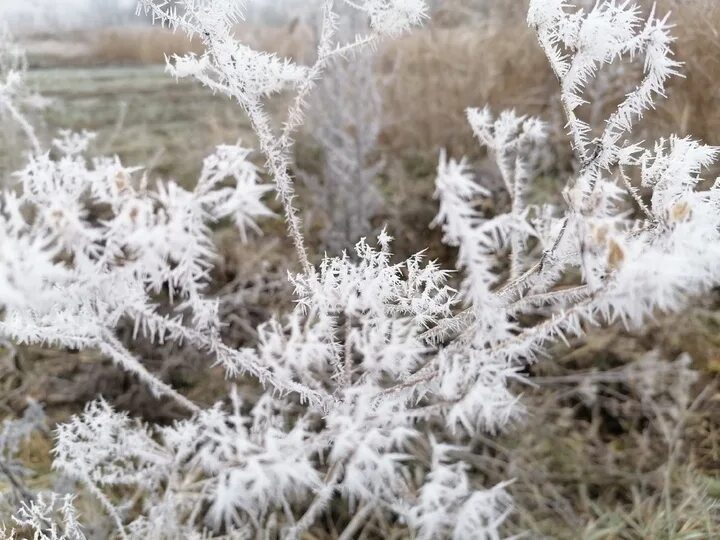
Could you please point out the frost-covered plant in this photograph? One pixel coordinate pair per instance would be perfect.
(630, 267)
(248, 76)
(354, 339)
(378, 380)
(445, 510)
(16, 99)
(86, 244)
(345, 120)
(12, 435)
(48, 517)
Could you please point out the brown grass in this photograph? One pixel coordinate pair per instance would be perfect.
(470, 57)
(493, 59)
(435, 74)
(693, 107)
(139, 45)
(150, 45)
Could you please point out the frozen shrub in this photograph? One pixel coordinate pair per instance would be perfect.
(12, 435)
(49, 517)
(16, 101)
(87, 244)
(345, 120)
(382, 375)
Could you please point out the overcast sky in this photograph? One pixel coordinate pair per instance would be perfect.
(24, 6)
(59, 15)
(41, 15)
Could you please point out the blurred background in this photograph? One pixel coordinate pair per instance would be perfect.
(592, 460)
(101, 66)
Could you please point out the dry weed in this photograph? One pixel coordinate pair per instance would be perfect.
(150, 45)
(131, 45)
(478, 53)
(693, 106)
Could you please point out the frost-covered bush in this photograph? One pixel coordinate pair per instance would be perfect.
(16, 102)
(12, 435)
(345, 121)
(87, 243)
(380, 378)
